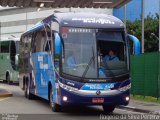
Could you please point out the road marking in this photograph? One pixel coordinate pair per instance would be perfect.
(1, 99)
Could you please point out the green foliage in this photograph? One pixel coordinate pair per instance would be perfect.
(145, 98)
(151, 30)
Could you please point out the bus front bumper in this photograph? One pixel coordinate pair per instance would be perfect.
(72, 98)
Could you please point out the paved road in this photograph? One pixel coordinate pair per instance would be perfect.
(39, 108)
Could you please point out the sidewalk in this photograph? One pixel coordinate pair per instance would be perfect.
(5, 93)
(144, 107)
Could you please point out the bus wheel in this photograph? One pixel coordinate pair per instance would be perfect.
(108, 108)
(28, 95)
(25, 91)
(55, 107)
(8, 78)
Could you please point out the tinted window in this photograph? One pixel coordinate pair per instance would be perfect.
(5, 47)
(109, 36)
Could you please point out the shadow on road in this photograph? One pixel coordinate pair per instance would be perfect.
(12, 83)
(77, 110)
(82, 110)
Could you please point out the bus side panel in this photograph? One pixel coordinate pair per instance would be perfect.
(43, 70)
(4, 63)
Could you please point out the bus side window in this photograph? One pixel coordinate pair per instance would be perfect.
(48, 43)
(48, 46)
(33, 44)
(5, 47)
(39, 41)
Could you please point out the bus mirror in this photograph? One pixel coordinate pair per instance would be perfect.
(57, 44)
(136, 44)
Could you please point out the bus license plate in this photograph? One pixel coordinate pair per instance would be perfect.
(97, 100)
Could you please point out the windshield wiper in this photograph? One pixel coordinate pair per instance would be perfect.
(89, 63)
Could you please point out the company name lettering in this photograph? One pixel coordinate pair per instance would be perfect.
(93, 20)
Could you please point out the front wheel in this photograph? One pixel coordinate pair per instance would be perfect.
(108, 108)
(55, 107)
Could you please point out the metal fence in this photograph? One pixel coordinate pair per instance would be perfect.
(145, 74)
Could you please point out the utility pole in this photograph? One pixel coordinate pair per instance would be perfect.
(26, 18)
(142, 13)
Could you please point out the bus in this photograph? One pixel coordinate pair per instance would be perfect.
(9, 51)
(44, 66)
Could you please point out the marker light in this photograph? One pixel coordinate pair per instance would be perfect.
(127, 98)
(65, 98)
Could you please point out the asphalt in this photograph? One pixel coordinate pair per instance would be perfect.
(134, 105)
(143, 107)
(5, 93)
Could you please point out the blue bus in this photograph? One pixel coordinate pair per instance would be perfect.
(62, 59)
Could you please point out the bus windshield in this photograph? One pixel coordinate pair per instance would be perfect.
(85, 53)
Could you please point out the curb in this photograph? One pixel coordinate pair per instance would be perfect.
(4, 93)
(139, 110)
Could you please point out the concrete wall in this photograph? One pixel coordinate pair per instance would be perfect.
(15, 21)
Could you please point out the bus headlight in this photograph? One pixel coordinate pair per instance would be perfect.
(127, 87)
(127, 98)
(65, 98)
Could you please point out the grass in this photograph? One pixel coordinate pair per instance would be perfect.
(145, 98)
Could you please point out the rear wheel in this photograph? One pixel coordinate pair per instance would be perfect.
(55, 107)
(27, 91)
(108, 108)
(8, 78)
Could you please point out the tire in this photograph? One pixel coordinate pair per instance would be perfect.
(27, 93)
(25, 90)
(8, 79)
(108, 108)
(55, 107)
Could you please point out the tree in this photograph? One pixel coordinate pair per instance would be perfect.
(151, 29)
